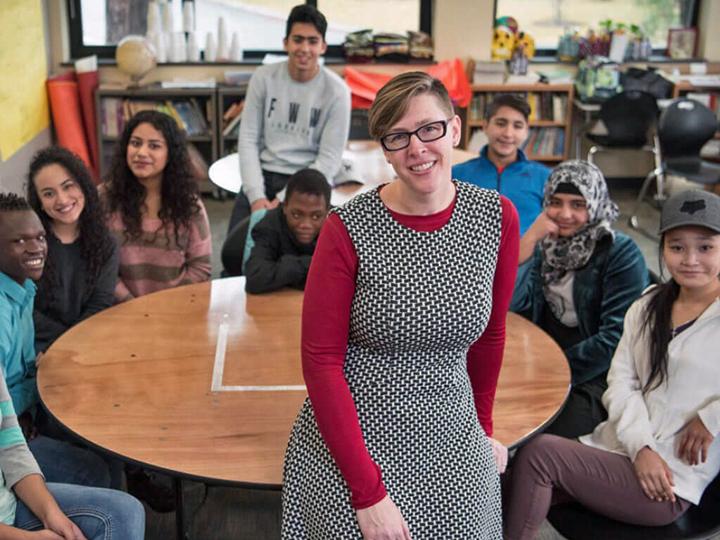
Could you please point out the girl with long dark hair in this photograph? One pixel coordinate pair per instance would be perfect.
(154, 209)
(81, 269)
(658, 450)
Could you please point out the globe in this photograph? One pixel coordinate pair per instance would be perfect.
(135, 56)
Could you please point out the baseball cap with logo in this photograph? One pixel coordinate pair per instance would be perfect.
(691, 207)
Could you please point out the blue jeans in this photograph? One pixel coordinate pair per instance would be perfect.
(66, 463)
(101, 514)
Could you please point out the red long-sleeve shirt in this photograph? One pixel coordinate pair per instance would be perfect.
(325, 325)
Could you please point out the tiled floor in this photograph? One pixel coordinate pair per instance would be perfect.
(248, 514)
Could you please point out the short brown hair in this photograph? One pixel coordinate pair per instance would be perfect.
(513, 101)
(393, 99)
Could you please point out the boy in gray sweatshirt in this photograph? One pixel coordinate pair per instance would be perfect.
(296, 116)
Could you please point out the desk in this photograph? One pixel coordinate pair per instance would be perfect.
(362, 160)
(137, 379)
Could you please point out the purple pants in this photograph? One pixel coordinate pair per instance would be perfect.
(604, 482)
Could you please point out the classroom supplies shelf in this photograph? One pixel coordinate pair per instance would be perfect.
(200, 112)
(231, 100)
(550, 117)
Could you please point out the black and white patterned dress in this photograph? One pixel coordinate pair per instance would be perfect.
(421, 300)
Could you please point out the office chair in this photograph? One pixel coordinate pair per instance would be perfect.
(576, 522)
(629, 117)
(684, 128)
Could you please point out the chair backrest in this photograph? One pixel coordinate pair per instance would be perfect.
(628, 116)
(238, 245)
(684, 128)
(233, 249)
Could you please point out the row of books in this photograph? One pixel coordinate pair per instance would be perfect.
(187, 113)
(548, 141)
(231, 119)
(543, 105)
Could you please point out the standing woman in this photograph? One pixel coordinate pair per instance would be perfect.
(658, 451)
(583, 277)
(82, 264)
(403, 335)
(155, 210)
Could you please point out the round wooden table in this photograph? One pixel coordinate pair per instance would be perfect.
(147, 380)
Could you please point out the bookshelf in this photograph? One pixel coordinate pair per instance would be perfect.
(228, 117)
(550, 117)
(194, 108)
(200, 111)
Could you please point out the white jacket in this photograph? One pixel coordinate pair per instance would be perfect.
(656, 418)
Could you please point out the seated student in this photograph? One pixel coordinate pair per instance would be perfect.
(82, 264)
(659, 449)
(284, 240)
(159, 221)
(154, 209)
(296, 115)
(61, 510)
(503, 166)
(582, 278)
(23, 252)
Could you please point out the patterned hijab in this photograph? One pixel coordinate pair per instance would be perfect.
(561, 254)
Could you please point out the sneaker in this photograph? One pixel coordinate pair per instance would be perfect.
(145, 487)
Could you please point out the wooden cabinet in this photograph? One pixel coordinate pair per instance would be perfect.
(550, 117)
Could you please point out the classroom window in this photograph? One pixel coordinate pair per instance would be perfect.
(96, 26)
(547, 20)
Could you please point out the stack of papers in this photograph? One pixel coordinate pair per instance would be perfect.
(181, 83)
(489, 73)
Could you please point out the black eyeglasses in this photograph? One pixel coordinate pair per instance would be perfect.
(427, 133)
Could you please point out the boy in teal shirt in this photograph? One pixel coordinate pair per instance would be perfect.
(22, 256)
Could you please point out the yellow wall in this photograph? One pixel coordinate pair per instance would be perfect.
(463, 28)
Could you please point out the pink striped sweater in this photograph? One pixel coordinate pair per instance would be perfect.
(155, 261)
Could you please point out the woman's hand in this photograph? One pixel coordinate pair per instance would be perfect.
(382, 521)
(500, 453)
(695, 439)
(655, 477)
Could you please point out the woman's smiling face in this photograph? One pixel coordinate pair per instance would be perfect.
(424, 166)
(60, 195)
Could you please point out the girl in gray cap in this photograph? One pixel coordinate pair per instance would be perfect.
(584, 275)
(658, 450)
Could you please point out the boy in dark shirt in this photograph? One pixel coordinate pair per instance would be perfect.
(285, 238)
